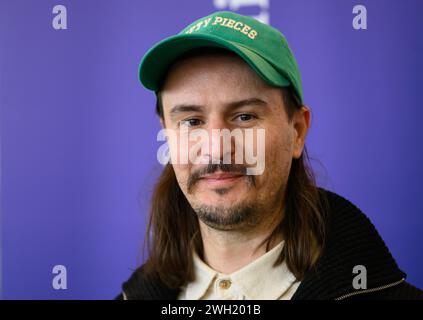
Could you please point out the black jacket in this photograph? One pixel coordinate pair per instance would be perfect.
(352, 240)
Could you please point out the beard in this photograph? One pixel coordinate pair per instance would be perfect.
(225, 219)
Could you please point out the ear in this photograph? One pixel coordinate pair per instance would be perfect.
(301, 122)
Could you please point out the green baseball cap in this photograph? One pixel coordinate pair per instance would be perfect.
(263, 47)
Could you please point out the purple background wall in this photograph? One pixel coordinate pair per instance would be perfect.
(78, 146)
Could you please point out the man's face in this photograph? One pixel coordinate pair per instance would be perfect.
(221, 91)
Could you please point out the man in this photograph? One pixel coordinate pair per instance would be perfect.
(218, 231)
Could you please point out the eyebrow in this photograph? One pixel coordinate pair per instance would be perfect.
(181, 108)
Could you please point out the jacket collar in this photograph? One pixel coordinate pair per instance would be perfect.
(352, 241)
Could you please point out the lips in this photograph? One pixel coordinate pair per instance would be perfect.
(221, 178)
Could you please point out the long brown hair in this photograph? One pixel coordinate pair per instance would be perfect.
(173, 229)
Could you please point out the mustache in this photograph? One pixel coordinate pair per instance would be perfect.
(212, 168)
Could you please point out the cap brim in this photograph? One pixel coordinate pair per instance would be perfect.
(159, 58)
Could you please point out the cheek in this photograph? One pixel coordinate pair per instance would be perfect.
(279, 151)
(186, 147)
(177, 148)
(182, 175)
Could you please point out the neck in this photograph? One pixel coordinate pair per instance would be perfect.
(229, 251)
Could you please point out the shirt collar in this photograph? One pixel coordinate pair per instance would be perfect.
(204, 276)
(257, 280)
(261, 280)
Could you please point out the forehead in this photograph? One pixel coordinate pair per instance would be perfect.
(220, 75)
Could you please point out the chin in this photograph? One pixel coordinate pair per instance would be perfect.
(223, 198)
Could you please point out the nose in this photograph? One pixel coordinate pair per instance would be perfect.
(221, 147)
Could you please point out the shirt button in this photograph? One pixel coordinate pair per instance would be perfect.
(224, 284)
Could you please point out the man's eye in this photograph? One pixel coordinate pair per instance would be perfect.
(190, 122)
(245, 117)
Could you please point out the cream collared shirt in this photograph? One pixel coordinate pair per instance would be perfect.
(258, 280)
